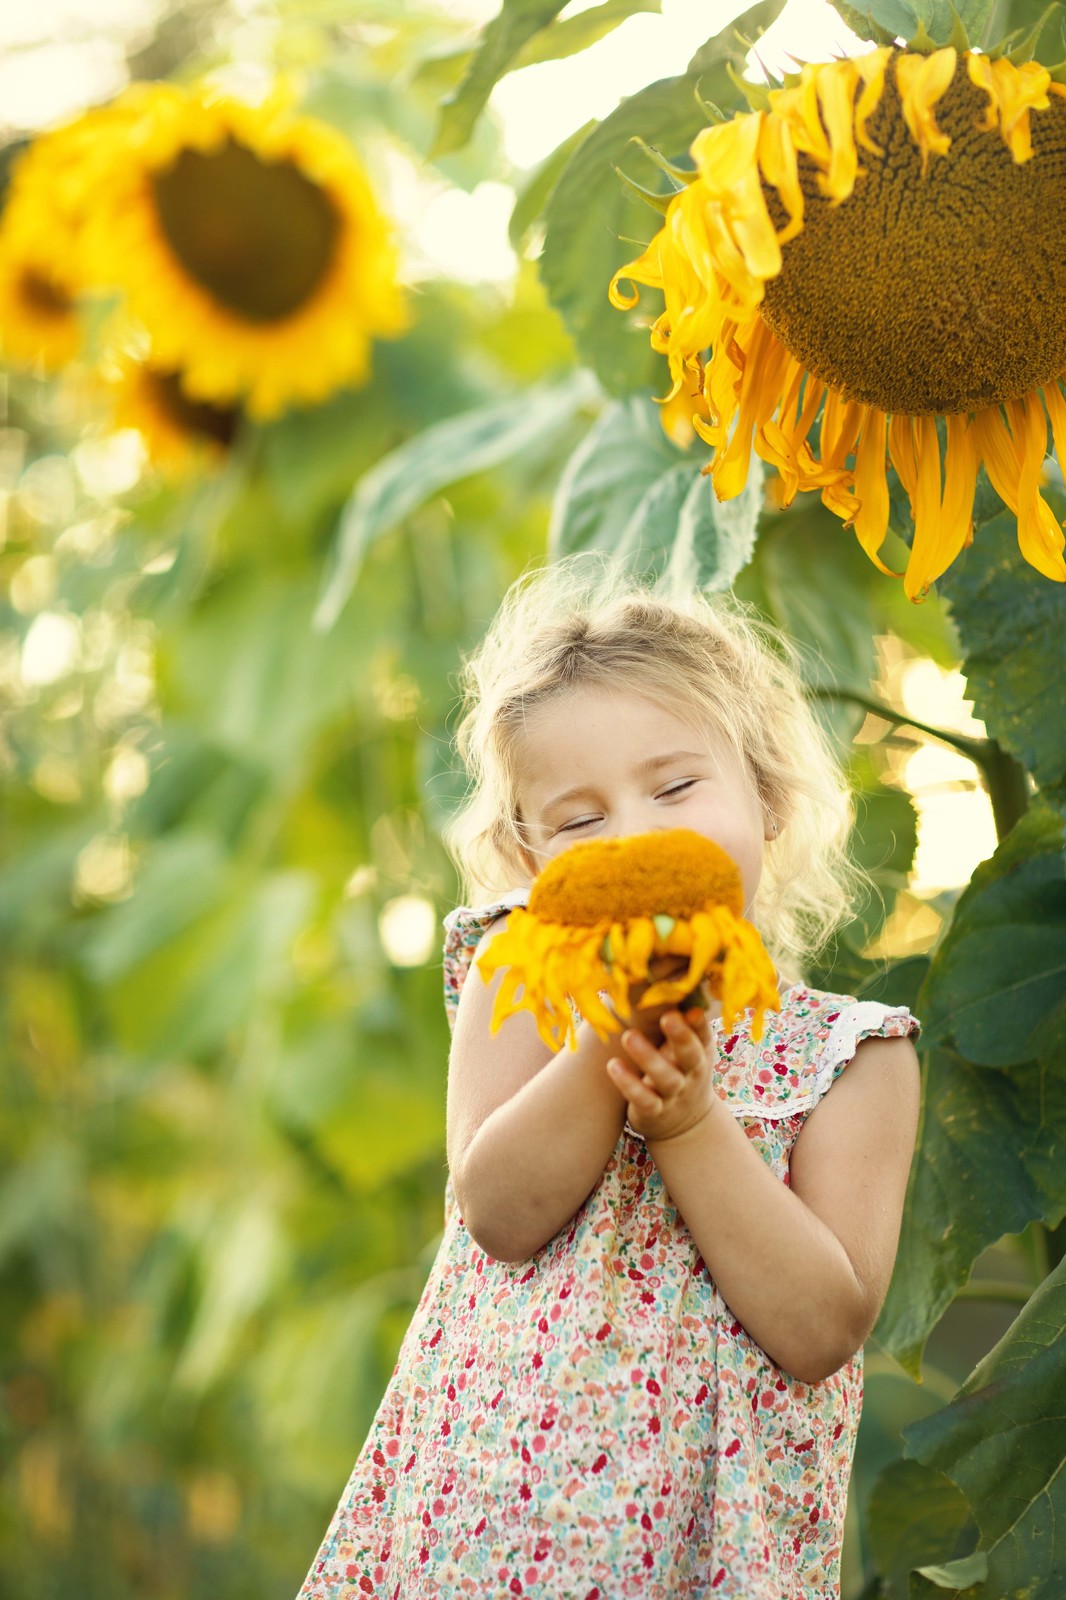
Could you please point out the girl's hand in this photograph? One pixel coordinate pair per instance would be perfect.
(669, 1087)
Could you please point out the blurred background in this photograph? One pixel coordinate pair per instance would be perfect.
(228, 647)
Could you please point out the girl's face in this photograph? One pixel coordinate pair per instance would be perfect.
(602, 764)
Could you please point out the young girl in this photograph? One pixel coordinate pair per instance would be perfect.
(636, 1369)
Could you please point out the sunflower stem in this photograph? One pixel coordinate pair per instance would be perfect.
(975, 749)
(995, 1289)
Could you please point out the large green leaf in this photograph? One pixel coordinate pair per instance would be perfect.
(440, 455)
(595, 224)
(916, 1516)
(904, 18)
(990, 1159)
(1011, 623)
(629, 491)
(1001, 970)
(503, 38)
(1003, 1442)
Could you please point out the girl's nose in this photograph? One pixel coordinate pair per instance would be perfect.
(627, 820)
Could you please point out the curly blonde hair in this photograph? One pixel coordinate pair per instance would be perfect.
(586, 622)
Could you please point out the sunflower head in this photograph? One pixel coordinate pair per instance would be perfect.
(248, 243)
(600, 913)
(670, 873)
(179, 434)
(880, 245)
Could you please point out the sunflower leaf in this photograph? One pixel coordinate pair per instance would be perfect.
(1001, 1440)
(926, 23)
(536, 191)
(523, 34)
(1011, 622)
(501, 41)
(1001, 970)
(989, 1158)
(441, 454)
(590, 214)
(628, 490)
(988, 1162)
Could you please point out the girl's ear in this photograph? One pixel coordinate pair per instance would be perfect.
(772, 827)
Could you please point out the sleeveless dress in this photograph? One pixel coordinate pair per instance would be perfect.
(593, 1423)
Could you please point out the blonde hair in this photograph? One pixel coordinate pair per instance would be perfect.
(585, 622)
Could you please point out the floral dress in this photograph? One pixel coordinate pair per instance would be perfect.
(594, 1423)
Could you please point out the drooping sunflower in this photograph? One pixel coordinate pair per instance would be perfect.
(878, 245)
(179, 434)
(603, 910)
(248, 243)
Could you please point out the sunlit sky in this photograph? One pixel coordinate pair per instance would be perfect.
(54, 61)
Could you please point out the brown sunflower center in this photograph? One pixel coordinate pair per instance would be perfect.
(937, 293)
(193, 416)
(43, 296)
(258, 236)
(672, 873)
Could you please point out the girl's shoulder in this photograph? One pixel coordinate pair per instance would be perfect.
(804, 1048)
(463, 929)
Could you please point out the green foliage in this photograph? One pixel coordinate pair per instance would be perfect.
(517, 22)
(1011, 623)
(989, 1161)
(628, 491)
(1001, 1441)
(437, 456)
(935, 21)
(916, 1517)
(998, 979)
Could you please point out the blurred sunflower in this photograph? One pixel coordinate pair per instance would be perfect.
(41, 258)
(38, 314)
(601, 912)
(248, 243)
(880, 244)
(179, 434)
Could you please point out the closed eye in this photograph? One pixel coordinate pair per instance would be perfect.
(676, 789)
(579, 822)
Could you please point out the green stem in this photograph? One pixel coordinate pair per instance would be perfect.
(974, 749)
(995, 1289)
(1004, 778)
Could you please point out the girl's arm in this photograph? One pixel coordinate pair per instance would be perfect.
(806, 1266)
(529, 1132)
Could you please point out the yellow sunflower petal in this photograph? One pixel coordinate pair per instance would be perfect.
(871, 487)
(922, 81)
(941, 527)
(836, 100)
(1039, 535)
(1013, 92)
